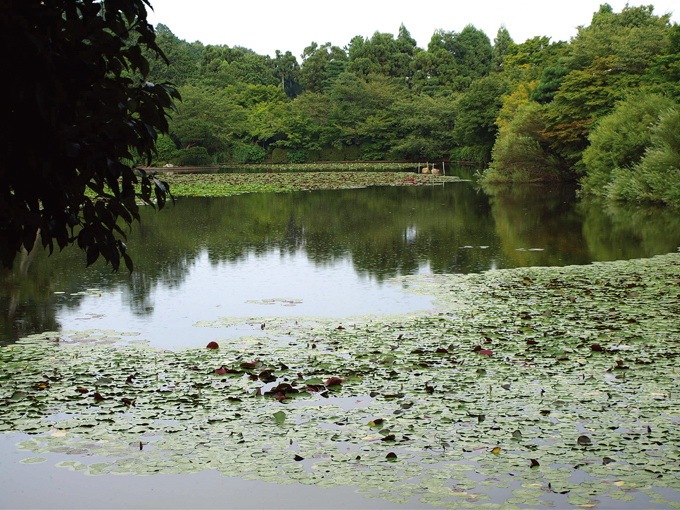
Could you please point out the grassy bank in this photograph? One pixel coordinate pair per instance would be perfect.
(532, 386)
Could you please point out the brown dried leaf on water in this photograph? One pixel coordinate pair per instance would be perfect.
(267, 376)
(334, 381)
(584, 440)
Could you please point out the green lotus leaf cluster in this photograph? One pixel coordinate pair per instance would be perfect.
(228, 184)
(532, 386)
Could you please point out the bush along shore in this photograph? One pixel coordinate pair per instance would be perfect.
(532, 386)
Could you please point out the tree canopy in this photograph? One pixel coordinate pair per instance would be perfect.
(529, 109)
(79, 113)
(96, 94)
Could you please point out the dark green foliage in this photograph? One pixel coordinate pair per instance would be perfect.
(79, 113)
(249, 154)
(165, 149)
(387, 99)
(522, 152)
(477, 154)
(332, 154)
(279, 155)
(192, 156)
(300, 156)
(551, 79)
(321, 65)
(656, 177)
(620, 140)
(477, 113)
(181, 62)
(502, 46)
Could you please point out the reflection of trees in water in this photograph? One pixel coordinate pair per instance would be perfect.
(623, 231)
(572, 232)
(538, 217)
(383, 231)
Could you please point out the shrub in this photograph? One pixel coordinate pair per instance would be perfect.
(280, 155)
(192, 156)
(299, 156)
(165, 149)
(249, 154)
(521, 152)
(331, 154)
(351, 152)
(479, 154)
(620, 140)
(656, 178)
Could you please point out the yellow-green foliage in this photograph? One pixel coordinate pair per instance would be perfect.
(656, 178)
(521, 152)
(634, 152)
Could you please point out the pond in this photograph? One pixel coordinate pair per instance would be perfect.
(246, 265)
(322, 253)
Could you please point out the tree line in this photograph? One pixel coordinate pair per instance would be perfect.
(531, 111)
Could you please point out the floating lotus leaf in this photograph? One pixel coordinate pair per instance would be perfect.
(419, 413)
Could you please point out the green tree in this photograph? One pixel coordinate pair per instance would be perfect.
(382, 54)
(79, 115)
(634, 153)
(287, 69)
(457, 59)
(522, 152)
(526, 62)
(321, 65)
(183, 59)
(222, 66)
(620, 140)
(477, 112)
(360, 111)
(208, 117)
(664, 71)
(605, 61)
(165, 149)
(583, 97)
(633, 36)
(422, 127)
(502, 46)
(656, 178)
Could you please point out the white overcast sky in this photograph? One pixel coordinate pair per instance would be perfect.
(269, 25)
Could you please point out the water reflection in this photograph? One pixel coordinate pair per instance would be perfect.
(332, 250)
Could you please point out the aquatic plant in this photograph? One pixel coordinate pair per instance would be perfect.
(532, 386)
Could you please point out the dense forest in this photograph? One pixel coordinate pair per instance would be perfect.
(601, 109)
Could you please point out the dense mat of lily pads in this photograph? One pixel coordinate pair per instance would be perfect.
(536, 386)
(228, 184)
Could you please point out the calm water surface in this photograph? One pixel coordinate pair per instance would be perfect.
(322, 253)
